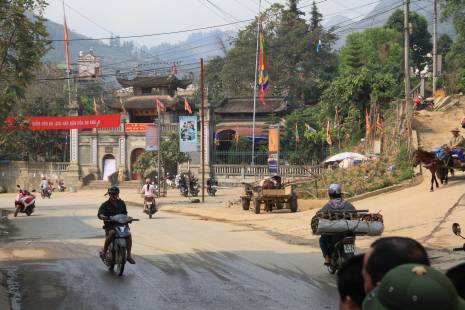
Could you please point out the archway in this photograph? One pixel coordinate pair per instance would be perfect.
(109, 166)
(134, 156)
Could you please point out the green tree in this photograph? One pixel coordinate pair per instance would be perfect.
(315, 17)
(420, 38)
(23, 42)
(455, 61)
(444, 44)
(170, 156)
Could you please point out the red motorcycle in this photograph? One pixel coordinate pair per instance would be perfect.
(25, 202)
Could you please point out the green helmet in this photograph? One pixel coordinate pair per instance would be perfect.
(412, 287)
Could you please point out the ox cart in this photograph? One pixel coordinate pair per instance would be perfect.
(275, 196)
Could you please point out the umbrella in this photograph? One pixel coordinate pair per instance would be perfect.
(342, 156)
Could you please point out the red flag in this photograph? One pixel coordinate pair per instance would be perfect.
(367, 124)
(66, 42)
(160, 106)
(328, 133)
(187, 107)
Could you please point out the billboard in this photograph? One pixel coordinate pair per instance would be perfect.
(134, 127)
(151, 137)
(188, 141)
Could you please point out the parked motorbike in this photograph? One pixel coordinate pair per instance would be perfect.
(458, 232)
(46, 192)
(344, 248)
(151, 207)
(194, 187)
(424, 104)
(117, 250)
(212, 187)
(24, 202)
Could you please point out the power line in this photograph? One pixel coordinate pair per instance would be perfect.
(155, 34)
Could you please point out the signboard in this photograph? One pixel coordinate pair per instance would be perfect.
(273, 149)
(188, 134)
(151, 137)
(68, 122)
(135, 127)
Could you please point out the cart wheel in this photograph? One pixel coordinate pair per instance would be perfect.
(245, 203)
(256, 204)
(293, 204)
(279, 205)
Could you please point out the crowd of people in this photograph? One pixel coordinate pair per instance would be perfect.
(395, 274)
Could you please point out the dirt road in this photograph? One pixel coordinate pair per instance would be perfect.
(182, 263)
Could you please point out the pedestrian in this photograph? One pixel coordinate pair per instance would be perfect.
(457, 276)
(387, 253)
(414, 287)
(350, 284)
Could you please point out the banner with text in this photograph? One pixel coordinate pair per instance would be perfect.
(135, 127)
(66, 122)
(151, 137)
(188, 134)
(273, 149)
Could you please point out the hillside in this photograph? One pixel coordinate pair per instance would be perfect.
(118, 54)
(381, 12)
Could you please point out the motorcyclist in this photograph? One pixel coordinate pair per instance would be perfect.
(113, 206)
(149, 192)
(44, 185)
(336, 203)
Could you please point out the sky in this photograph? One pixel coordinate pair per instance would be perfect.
(101, 18)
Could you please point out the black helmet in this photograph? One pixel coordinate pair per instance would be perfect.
(335, 190)
(113, 190)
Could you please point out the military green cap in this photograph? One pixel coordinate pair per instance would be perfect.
(412, 287)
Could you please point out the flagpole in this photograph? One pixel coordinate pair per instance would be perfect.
(255, 85)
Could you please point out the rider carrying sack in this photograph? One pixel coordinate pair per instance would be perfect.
(336, 203)
(457, 144)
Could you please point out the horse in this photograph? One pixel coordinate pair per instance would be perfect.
(434, 165)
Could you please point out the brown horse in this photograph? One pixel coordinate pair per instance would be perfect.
(433, 164)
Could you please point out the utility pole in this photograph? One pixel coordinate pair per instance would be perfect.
(408, 105)
(202, 123)
(255, 84)
(435, 39)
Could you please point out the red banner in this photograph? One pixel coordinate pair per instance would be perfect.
(70, 122)
(135, 127)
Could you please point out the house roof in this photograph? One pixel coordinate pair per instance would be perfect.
(239, 105)
(170, 81)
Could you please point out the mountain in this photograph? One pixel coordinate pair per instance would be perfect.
(127, 56)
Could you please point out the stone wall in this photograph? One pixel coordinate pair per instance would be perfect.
(29, 174)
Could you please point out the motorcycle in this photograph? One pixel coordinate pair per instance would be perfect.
(424, 104)
(117, 250)
(151, 207)
(61, 187)
(194, 188)
(344, 248)
(24, 202)
(46, 192)
(458, 232)
(183, 187)
(212, 187)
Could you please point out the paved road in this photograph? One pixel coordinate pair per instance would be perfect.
(182, 263)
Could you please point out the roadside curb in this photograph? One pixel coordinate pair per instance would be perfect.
(415, 181)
